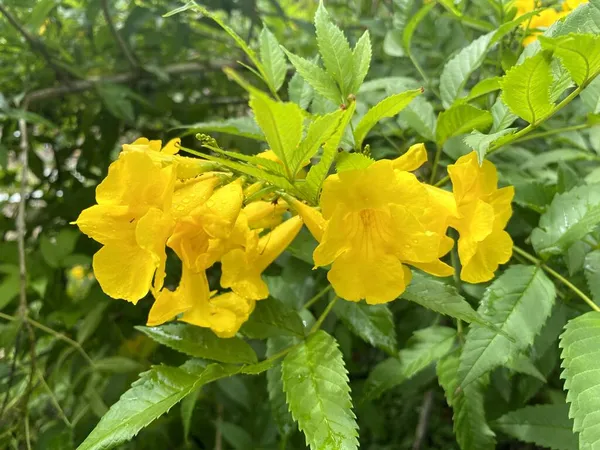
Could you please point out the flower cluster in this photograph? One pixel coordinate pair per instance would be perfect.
(545, 18)
(376, 222)
(152, 199)
(372, 225)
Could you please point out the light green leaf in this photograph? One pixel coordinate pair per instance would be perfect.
(591, 96)
(580, 343)
(469, 423)
(543, 425)
(279, 408)
(460, 119)
(518, 304)
(316, 386)
(484, 87)
(522, 364)
(320, 80)
(457, 71)
(413, 23)
(281, 123)
(272, 318)
(579, 53)
(420, 116)
(526, 88)
(299, 91)
(592, 274)
(439, 297)
(56, 249)
(235, 126)
(335, 50)
(189, 5)
(117, 364)
(352, 161)
(201, 343)
(501, 115)
(372, 323)
(273, 59)
(39, 14)
(157, 391)
(425, 347)
(481, 142)
(361, 61)
(388, 107)
(569, 218)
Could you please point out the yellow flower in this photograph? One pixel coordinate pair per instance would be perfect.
(484, 211)
(242, 269)
(132, 222)
(312, 218)
(541, 21)
(224, 314)
(524, 6)
(263, 214)
(414, 158)
(570, 5)
(77, 272)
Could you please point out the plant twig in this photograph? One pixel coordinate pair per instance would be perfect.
(133, 62)
(423, 420)
(218, 435)
(553, 132)
(324, 315)
(317, 297)
(556, 275)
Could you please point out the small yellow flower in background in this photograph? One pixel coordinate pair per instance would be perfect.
(570, 5)
(132, 222)
(77, 272)
(484, 211)
(541, 21)
(524, 6)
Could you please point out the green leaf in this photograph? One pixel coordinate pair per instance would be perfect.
(201, 343)
(316, 386)
(279, 408)
(299, 91)
(592, 273)
(457, 71)
(413, 23)
(56, 249)
(484, 87)
(352, 161)
(273, 59)
(439, 297)
(481, 142)
(388, 107)
(579, 53)
(569, 218)
(189, 5)
(117, 364)
(372, 323)
(272, 318)
(335, 50)
(39, 14)
(320, 80)
(502, 117)
(188, 404)
(591, 96)
(361, 61)
(116, 100)
(543, 425)
(281, 122)
(318, 172)
(235, 126)
(425, 347)
(526, 88)
(461, 119)
(580, 343)
(420, 116)
(469, 423)
(319, 131)
(518, 304)
(157, 391)
(236, 436)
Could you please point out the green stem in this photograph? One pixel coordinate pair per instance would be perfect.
(558, 276)
(553, 132)
(317, 297)
(323, 316)
(436, 162)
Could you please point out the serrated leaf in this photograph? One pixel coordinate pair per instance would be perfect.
(236, 126)
(579, 53)
(299, 91)
(501, 116)
(592, 273)
(413, 23)
(320, 80)
(522, 364)
(272, 318)
(201, 343)
(188, 404)
(543, 425)
(469, 423)
(273, 59)
(361, 61)
(157, 391)
(526, 88)
(481, 142)
(117, 364)
(352, 161)
(580, 343)
(461, 119)
(388, 107)
(518, 304)
(372, 323)
(335, 50)
(484, 87)
(420, 116)
(425, 347)
(457, 71)
(569, 218)
(279, 408)
(316, 386)
(591, 96)
(439, 297)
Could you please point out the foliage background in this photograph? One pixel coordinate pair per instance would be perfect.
(85, 76)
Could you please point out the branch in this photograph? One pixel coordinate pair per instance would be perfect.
(133, 62)
(35, 44)
(90, 83)
(423, 420)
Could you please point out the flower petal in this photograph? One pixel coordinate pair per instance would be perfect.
(414, 158)
(496, 249)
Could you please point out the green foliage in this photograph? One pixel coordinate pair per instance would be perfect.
(316, 387)
(461, 119)
(579, 53)
(272, 318)
(373, 323)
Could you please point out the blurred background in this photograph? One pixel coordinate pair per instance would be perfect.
(78, 78)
